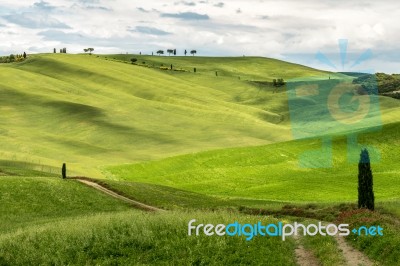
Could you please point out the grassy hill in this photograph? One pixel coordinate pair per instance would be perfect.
(247, 68)
(88, 111)
(91, 112)
(177, 140)
(47, 220)
(29, 201)
(272, 172)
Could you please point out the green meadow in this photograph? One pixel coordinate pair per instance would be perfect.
(215, 145)
(245, 68)
(27, 201)
(136, 238)
(272, 172)
(91, 112)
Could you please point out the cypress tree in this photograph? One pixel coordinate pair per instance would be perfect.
(64, 171)
(365, 182)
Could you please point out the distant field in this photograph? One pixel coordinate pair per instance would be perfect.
(247, 68)
(90, 112)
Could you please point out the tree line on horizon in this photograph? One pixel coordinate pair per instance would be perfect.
(62, 50)
(173, 51)
(379, 83)
(13, 58)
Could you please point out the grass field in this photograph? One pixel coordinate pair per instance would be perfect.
(272, 172)
(85, 226)
(26, 201)
(382, 249)
(217, 148)
(77, 107)
(247, 68)
(132, 238)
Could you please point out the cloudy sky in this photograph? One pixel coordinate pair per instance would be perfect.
(290, 30)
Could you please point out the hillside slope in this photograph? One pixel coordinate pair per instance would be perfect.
(88, 112)
(273, 172)
(247, 68)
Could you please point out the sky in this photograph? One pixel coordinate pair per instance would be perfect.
(291, 30)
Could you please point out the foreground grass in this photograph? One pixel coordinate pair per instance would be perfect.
(26, 201)
(391, 207)
(134, 237)
(383, 249)
(325, 249)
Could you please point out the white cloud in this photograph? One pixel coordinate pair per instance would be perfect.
(186, 16)
(148, 30)
(35, 21)
(288, 29)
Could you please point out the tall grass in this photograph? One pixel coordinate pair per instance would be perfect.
(26, 201)
(384, 249)
(131, 238)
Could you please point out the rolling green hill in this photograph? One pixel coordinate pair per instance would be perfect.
(272, 172)
(179, 140)
(247, 68)
(90, 112)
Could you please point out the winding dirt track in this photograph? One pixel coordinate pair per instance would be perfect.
(135, 203)
(304, 257)
(352, 255)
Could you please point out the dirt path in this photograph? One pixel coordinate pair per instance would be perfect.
(304, 257)
(351, 255)
(118, 196)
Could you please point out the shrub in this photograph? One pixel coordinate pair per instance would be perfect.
(278, 82)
